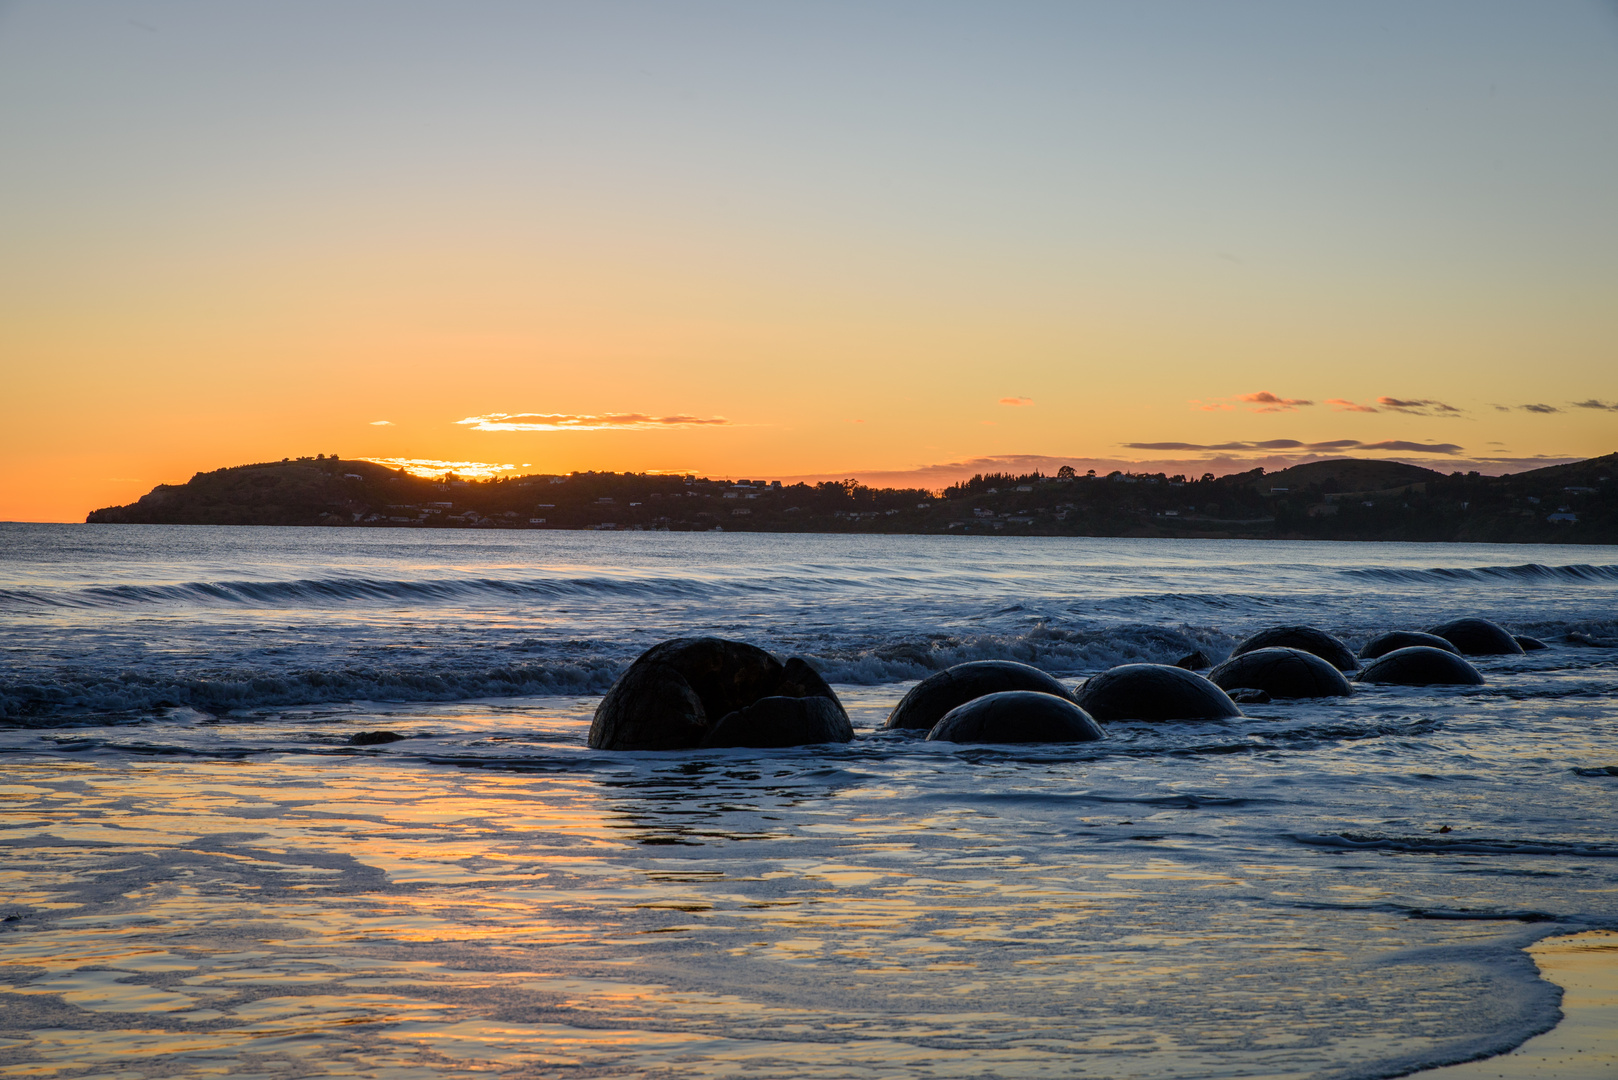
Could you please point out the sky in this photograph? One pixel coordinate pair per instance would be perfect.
(896, 241)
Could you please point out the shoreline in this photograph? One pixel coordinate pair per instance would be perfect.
(1582, 1045)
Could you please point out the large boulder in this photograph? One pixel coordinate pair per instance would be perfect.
(1383, 644)
(684, 693)
(1016, 716)
(1421, 665)
(1282, 673)
(927, 702)
(1153, 692)
(1477, 637)
(1307, 638)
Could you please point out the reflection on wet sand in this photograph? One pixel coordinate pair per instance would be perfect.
(792, 915)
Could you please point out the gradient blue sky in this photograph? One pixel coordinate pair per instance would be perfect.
(888, 240)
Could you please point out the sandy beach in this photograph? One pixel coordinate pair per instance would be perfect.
(1584, 1046)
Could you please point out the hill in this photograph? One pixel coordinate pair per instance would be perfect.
(1346, 499)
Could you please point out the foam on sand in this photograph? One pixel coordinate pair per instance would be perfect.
(1584, 1046)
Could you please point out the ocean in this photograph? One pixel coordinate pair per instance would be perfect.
(201, 876)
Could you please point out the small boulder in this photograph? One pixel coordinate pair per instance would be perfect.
(677, 694)
(1016, 716)
(1153, 692)
(1477, 637)
(1248, 695)
(927, 702)
(1421, 665)
(1529, 644)
(1307, 638)
(1197, 661)
(373, 738)
(1383, 644)
(1281, 672)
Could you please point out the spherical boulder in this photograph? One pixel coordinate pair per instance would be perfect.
(1383, 644)
(1307, 638)
(1477, 637)
(1153, 692)
(1421, 665)
(1016, 716)
(1282, 673)
(678, 694)
(928, 701)
(1529, 644)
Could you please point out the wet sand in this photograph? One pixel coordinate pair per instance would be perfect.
(1585, 1044)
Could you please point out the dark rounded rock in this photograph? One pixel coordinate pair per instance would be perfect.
(782, 721)
(1248, 695)
(1154, 692)
(676, 693)
(1529, 644)
(1197, 661)
(1477, 637)
(1016, 716)
(373, 738)
(928, 701)
(1307, 638)
(1421, 665)
(1281, 672)
(1383, 644)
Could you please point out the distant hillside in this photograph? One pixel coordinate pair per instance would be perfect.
(1347, 499)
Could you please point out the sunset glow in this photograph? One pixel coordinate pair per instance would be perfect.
(891, 242)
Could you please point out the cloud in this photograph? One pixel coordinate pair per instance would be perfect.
(938, 476)
(1331, 446)
(1263, 400)
(1541, 408)
(1268, 402)
(573, 422)
(1016, 401)
(1409, 406)
(381, 423)
(1594, 404)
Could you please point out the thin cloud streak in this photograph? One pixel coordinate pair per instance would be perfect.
(583, 422)
(1408, 406)
(1016, 401)
(1401, 445)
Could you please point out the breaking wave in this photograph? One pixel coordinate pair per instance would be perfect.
(1529, 573)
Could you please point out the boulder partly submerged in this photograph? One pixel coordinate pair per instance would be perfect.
(1016, 716)
(1421, 665)
(1153, 692)
(1281, 673)
(1308, 638)
(927, 702)
(710, 692)
(1383, 644)
(1477, 637)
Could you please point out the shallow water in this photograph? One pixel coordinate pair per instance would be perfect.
(201, 875)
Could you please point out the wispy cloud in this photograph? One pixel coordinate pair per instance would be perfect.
(1543, 409)
(1268, 402)
(1610, 406)
(381, 423)
(1262, 401)
(577, 422)
(1331, 446)
(1016, 401)
(1408, 406)
(1417, 406)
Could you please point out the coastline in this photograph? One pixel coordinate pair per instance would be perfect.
(1582, 1046)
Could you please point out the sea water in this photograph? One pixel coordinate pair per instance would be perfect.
(200, 876)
